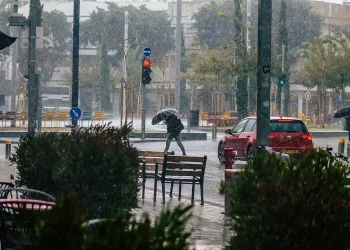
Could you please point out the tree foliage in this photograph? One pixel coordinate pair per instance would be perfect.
(302, 24)
(146, 29)
(57, 44)
(321, 68)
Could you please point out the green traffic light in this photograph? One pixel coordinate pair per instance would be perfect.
(282, 79)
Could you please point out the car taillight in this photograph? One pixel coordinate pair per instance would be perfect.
(285, 120)
(272, 136)
(308, 137)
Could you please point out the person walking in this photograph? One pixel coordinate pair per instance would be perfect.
(174, 127)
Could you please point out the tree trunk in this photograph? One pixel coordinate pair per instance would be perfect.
(319, 105)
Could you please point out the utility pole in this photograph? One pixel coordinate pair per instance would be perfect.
(14, 54)
(75, 64)
(32, 93)
(264, 77)
(124, 66)
(178, 55)
(282, 89)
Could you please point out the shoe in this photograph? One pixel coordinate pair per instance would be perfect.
(183, 153)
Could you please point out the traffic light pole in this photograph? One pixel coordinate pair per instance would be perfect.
(264, 77)
(143, 114)
(75, 64)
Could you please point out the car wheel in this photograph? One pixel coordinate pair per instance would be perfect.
(221, 148)
(250, 155)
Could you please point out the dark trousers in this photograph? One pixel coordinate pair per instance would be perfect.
(179, 143)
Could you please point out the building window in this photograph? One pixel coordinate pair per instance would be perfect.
(2, 100)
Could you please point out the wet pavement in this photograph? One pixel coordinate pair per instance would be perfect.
(209, 223)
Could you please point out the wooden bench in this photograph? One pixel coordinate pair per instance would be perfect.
(86, 116)
(182, 170)
(99, 116)
(148, 161)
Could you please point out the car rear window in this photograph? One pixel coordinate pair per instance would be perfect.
(289, 126)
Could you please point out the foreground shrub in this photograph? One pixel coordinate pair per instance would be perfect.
(64, 230)
(291, 205)
(96, 164)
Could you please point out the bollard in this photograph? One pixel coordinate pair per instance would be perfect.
(348, 149)
(341, 146)
(230, 175)
(213, 132)
(7, 149)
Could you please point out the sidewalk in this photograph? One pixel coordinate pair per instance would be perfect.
(209, 223)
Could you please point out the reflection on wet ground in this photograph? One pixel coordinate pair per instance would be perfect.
(209, 223)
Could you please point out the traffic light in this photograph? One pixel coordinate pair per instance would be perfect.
(282, 80)
(146, 71)
(6, 40)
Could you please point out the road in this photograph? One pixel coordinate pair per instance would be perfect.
(214, 171)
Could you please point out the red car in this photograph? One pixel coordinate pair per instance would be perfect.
(287, 135)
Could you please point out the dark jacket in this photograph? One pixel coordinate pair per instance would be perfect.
(174, 125)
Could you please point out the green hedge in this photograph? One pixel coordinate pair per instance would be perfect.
(64, 230)
(97, 164)
(291, 205)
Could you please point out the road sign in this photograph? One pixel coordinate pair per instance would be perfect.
(93, 105)
(266, 68)
(147, 51)
(307, 96)
(295, 103)
(75, 113)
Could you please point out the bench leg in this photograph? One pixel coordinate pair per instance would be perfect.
(171, 189)
(202, 194)
(193, 189)
(143, 187)
(180, 185)
(155, 190)
(163, 192)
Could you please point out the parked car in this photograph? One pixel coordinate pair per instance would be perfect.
(287, 135)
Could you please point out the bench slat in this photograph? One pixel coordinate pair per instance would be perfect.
(185, 158)
(182, 173)
(154, 153)
(152, 160)
(185, 165)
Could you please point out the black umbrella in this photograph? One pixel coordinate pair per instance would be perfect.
(345, 111)
(163, 114)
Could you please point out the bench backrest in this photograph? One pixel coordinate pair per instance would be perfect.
(87, 115)
(175, 165)
(149, 159)
(50, 114)
(10, 115)
(99, 114)
(152, 156)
